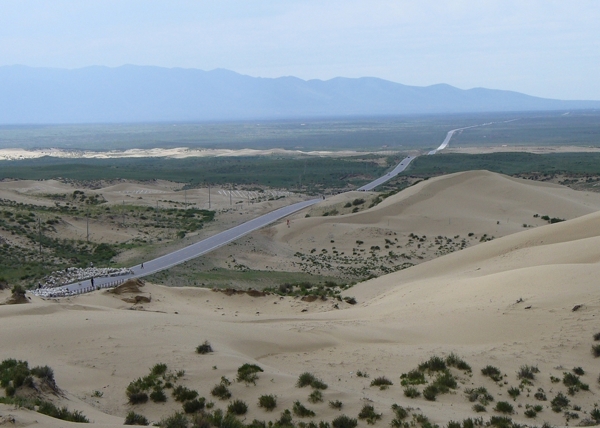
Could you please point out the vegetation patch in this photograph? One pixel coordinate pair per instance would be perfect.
(248, 373)
(369, 414)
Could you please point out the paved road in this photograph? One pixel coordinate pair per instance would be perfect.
(199, 248)
(399, 168)
(209, 244)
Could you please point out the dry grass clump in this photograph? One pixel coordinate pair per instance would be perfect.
(434, 364)
(315, 397)
(480, 394)
(337, 404)
(182, 393)
(455, 361)
(559, 402)
(411, 392)
(504, 407)
(195, 405)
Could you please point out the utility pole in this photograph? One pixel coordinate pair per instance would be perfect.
(209, 196)
(123, 214)
(185, 197)
(40, 234)
(230, 200)
(87, 226)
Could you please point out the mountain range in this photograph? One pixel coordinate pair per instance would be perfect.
(129, 93)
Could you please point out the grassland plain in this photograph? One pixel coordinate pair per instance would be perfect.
(391, 133)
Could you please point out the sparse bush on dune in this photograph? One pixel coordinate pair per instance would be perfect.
(237, 407)
(578, 371)
(194, 406)
(430, 392)
(411, 392)
(479, 408)
(204, 348)
(597, 336)
(181, 393)
(337, 404)
(413, 377)
(382, 382)
(344, 421)
(399, 412)
(301, 411)
(221, 392)
(527, 372)
(479, 394)
(177, 420)
(308, 379)
(504, 407)
(454, 360)
(267, 402)
(369, 414)
(492, 372)
(596, 350)
(158, 395)
(247, 373)
(559, 402)
(133, 418)
(316, 396)
(434, 364)
(158, 369)
(63, 413)
(514, 392)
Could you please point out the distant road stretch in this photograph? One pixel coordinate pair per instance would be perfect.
(399, 168)
(207, 245)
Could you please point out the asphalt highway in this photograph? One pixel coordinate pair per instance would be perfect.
(209, 244)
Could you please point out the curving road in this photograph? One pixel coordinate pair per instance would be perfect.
(209, 244)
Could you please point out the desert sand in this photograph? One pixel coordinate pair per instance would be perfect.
(506, 302)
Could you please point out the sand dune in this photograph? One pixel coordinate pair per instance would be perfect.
(506, 302)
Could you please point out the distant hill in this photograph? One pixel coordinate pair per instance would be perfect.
(147, 94)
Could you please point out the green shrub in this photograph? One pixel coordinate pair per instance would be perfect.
(248, 373)
(434, 364)
(344, 421)
(381, 382)
(540, 395)
(315, 397)
(430, 392)
(178, 420)
(135, 393)
(301, 411)
(158, 396)
(267, 402)
(411, 392)
(221, 391)
(204, 348)
(559, 402)
(181, 393)
(444, 381)
(133, 418)
(63, 413)
(578, 371)
(492, 372)
(368, 413)
(44, 373)
(454, 360)
(597, 336)
(237, 407)
(337, 404)
(194, 406)
(479, 408)
(527, 372)
(595, 414)
(308, 379)
(360, 373)
(413, 377)
(158, 369)
(399, 411)
(504, 407)
(502, 422)
(285, 420)
(479, 394)
(514, 392)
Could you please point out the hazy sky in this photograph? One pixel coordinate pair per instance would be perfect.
(546, 48)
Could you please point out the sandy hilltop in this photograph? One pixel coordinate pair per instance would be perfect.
(528, 297)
